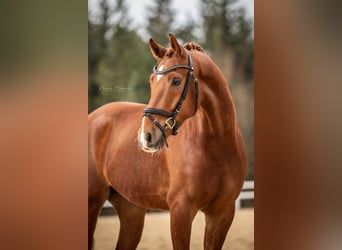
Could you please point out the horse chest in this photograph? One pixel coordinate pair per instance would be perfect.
(139, 179)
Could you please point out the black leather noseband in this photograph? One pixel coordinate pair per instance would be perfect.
(171, 122)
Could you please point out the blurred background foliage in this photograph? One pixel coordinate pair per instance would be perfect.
(120, 63)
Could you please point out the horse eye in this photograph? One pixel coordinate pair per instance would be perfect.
(176, 82)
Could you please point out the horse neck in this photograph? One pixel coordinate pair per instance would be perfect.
(216, 113)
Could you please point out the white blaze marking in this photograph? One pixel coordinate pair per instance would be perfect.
(142, 133)
(160, 76)
(142, 140)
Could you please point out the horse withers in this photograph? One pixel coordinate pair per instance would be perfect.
(182, 152)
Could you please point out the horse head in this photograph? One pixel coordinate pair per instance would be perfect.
(174, 94)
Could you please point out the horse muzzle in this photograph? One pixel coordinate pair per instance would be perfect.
(151, 142)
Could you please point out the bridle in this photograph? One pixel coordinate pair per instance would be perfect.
(171, 122)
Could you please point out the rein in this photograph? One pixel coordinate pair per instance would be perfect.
(171, 122)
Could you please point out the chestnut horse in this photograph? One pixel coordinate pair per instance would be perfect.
(136, 163)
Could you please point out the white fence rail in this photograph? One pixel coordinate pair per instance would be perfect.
(107, 204)
(247, 193)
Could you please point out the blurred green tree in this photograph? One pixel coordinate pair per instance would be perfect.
(94, 57)
(228, 32)
(159, 21)
(119, 60)
(217, 23)
(186, 31)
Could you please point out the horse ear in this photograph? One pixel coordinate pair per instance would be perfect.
(175, 45)
(157, 50)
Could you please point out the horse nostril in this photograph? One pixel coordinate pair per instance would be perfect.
(148, 137)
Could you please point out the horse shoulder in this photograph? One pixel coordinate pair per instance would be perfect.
(104, 126)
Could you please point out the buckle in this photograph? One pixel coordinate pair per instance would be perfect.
(170, 122)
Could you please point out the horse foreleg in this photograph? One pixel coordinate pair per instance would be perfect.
(182, 216)
(217, 226)
(97, 194)
(97, 197)
(131, 222)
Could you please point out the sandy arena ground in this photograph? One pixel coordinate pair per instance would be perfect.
(156, 234)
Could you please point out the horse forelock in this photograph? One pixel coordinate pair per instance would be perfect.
(193, 46)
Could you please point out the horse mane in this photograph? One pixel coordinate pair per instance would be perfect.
(193, 46)
(188, 46)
